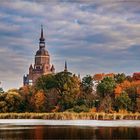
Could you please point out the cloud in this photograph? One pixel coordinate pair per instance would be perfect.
(23, 6)
(93, 36)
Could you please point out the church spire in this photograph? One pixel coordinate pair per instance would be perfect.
(65, 69)
(42, 39)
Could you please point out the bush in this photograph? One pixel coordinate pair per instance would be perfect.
(81, 108)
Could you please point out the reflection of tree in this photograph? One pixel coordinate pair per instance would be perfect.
(70, 132)
(39, 133)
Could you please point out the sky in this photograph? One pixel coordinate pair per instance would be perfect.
(93, 36)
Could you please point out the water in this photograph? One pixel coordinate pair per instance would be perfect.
(68, 132)
(37, 129)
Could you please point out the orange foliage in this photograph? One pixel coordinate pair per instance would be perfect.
(56, 109)
(118, 90)
(92, 110)
(110, 75)
(126, 84)
(100, 76)
(39, 100)
(138, 90)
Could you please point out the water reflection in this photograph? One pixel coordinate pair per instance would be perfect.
(68, 132)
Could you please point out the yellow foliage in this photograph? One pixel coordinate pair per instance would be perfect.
(39, 100)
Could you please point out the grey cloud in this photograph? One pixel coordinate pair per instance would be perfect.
(91, 35)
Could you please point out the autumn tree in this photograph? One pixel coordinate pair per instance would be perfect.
(52, 98)
(106, 104)
(40, 102)
(13, 100)
(3, 103)
(27, 92)
(64, 85)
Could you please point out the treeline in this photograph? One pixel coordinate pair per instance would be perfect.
(66, 92)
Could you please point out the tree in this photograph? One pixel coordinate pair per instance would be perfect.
(106, 104)
(13, 100)
(69, 89)
(120, 77)
(3, 104)
(64, 81)
(87, 84)
(123, 102)
(132, 93)
(52, 98)
(40, 101)
(27, 92)
(46, 82)
(63, 85)
(106, 86)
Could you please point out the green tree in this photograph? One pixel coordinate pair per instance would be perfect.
(64, 82)
(132, 93)
(87, 84)
(120, 77)
(123, 102)
(86, 96)
(106, 86)
(69, 89)
(46, 82)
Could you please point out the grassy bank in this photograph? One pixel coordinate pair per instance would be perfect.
(72, 116)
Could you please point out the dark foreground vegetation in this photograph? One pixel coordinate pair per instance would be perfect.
(66, 92)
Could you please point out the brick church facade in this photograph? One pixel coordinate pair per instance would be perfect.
(42, 63)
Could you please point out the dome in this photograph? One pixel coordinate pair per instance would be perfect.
(42, 52)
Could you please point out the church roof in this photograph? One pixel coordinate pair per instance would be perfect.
(42, 52)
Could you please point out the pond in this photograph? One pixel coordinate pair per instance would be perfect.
(35, 130)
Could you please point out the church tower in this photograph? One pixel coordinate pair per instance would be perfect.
(41, 65)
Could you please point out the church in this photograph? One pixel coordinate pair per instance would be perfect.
(41, 65)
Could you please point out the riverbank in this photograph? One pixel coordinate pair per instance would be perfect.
(72, 116)
(92, 123)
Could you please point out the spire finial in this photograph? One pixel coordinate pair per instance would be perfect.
(65, 69)
(42, 31)
(42, 39)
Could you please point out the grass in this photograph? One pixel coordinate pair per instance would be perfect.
(72, 116)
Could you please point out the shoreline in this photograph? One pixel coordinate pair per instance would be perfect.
(86, 123)
(72, 116)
